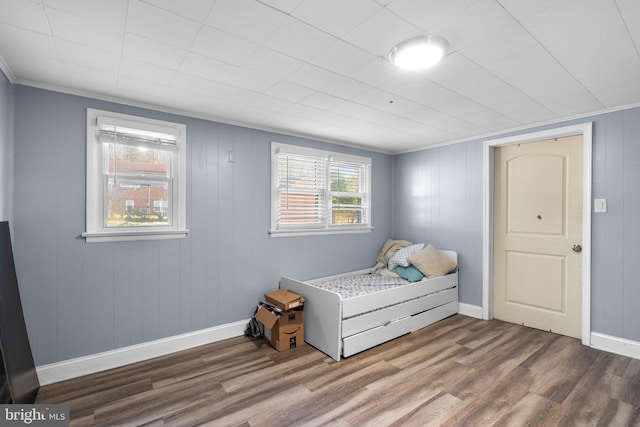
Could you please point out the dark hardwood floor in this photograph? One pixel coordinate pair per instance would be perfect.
(458, 372)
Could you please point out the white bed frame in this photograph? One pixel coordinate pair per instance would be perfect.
(343, 327)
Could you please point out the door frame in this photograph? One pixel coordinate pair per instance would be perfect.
(584, 129)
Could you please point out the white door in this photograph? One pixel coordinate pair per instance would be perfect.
(537, 278)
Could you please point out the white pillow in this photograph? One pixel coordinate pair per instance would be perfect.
(400, 257)
(390, 248)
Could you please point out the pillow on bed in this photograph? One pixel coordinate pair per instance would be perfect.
(378, 267)
(388, 273)
(390, 248)
(400, 258)
(432, 262)
(410, 273)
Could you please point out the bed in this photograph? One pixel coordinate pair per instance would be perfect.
(342, 322)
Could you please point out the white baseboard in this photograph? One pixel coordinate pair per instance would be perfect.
(73, 368)
(470, 310)
(615, 345)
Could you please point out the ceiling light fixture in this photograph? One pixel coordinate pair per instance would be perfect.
(418, 52)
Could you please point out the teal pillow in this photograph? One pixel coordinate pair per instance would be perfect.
(410, 273)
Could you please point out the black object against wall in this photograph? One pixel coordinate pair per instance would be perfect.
(19, 370)
(5, 397)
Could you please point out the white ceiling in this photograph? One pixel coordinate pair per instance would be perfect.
(318, 68)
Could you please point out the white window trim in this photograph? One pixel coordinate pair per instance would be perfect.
(95, 230)
(327, 228)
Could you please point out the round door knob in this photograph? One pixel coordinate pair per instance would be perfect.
(576, 248)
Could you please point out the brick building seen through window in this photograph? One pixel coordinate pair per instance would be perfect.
(132, 200)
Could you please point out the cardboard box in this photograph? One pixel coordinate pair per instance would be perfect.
(284, 299)
(283, 330)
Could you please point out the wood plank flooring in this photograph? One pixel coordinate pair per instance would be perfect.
(458, 372)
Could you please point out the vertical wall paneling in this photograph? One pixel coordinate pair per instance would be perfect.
(81, 299)
(222, 302)
(630, 294)
(97, 309)
(238, 158)
(122, 295)
(25, 225)
(471, 258)
(616, 172)
(150, 291)
(381, 204)
(46, 217)
(608, 228)
(260, 197)
(168, 288)
(84, 298)
(136, 329)
(438, 200)
(6, 149)
(202, 150)
(70, 153)
(250, 232)
(403, 190)
(458, 178)
(183, 305)
(421, 187)
(207, 308)
(598, 234)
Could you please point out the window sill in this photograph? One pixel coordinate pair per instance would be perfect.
(318, 232)
(127, 236)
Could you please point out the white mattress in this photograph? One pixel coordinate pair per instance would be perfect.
(360, 284)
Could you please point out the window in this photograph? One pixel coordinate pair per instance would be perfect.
(136, 178)
(318, 191)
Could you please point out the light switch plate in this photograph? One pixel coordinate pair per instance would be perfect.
(600, 205)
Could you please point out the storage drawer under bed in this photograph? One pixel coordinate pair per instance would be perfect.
(372, 337)
(374, 319)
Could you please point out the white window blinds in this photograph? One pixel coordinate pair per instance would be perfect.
(315, 190)
(113, 130)
(301, 188)
(349, 192)
(136, 178)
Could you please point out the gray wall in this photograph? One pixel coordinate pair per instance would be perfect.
(6, 148)
(81, 298)
(438, 198)
(84, 298)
